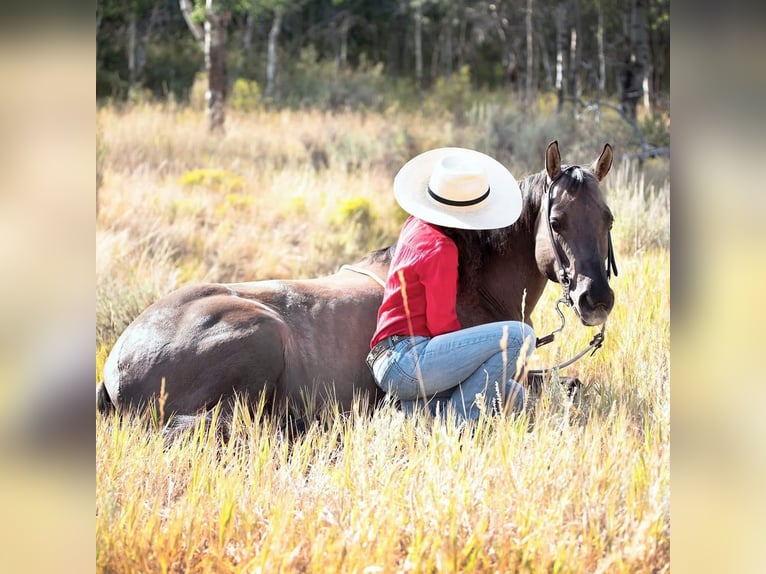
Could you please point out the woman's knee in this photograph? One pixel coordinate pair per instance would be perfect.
(524, 336)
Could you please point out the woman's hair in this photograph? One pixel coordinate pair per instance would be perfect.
(472, 246)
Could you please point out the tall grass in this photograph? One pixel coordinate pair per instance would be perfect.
(580, 484)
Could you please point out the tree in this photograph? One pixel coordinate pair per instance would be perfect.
(530, 52)
(561, 35)
(418, 7)
(632, 73)
(213, 40)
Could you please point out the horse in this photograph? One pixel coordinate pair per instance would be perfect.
(289, 342)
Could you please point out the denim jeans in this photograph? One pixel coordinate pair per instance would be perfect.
(458, 370)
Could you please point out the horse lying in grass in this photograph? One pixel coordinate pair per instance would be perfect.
(293, 340)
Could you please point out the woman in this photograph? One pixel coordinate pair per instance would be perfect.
(420, 354)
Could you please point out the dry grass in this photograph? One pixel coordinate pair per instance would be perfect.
(586, 489)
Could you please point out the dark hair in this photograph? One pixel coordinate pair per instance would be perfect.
(472, 248)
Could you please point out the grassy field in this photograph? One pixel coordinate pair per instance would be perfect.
(289, 194)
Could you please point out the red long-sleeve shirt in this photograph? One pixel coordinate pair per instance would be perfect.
(429, 262)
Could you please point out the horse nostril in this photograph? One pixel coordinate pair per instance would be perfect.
(605, 302)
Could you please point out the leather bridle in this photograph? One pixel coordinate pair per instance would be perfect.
(565, 278)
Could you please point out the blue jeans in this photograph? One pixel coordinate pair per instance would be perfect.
(458, 370)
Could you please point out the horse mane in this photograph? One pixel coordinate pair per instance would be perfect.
(382, 256)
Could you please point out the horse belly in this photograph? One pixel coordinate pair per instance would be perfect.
(326, 349)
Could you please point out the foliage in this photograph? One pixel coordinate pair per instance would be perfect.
(245, 95)
(456, 36)
(452, 95)
(354, 210)
(316, 83)
(172, 65)
(214, 179)
(656, 129)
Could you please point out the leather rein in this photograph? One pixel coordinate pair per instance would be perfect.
(565, 280)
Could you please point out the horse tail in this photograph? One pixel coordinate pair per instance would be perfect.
(180, 425)
(104, 403)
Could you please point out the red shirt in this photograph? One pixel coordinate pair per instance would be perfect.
(429, 261)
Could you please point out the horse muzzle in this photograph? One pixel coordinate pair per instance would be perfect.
(592, 304)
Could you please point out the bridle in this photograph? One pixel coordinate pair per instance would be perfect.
(565, 279)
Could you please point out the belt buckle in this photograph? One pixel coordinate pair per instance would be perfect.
(385, 345)
(377, 351)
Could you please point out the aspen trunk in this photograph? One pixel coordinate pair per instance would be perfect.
(561, 34)
(600, 47)
(419, 47)
(530, 53)
(271, 54)
(215, 63)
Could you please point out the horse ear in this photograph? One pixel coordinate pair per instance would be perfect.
(603, 164)
(553, 159)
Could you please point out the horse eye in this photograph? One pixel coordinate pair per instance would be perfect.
(556, 225)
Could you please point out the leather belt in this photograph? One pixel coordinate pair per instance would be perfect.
(382, 347)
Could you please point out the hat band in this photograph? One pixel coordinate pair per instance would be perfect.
(454, 203)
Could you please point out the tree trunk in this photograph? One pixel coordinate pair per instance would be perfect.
(271, 54)
(561, 34)
(640, 41)
(144, 30)
(509, 57)
(435, 55)
(530, 53)
(247, 37)
(419, 47)
(131, 52)
(447, 58)
(634, 61)
(215, 63)
(601, 55)
(574, 53)
(548, 82)
(462, 27)
(187, 7)
(341, 60)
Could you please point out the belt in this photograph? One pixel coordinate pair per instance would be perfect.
(382, 347)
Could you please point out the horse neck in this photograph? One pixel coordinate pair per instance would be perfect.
(511, 283)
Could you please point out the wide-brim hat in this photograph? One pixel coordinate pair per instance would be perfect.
(458, 187)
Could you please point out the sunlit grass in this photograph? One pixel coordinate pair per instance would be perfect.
(578, 485)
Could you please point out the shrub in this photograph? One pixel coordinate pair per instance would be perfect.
(245, 95)
(354, 210)
(453, 95)
(215, 179)
(318, 83)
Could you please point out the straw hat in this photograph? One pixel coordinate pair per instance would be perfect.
(457, 187)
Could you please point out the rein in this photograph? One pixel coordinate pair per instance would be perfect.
(565, 280)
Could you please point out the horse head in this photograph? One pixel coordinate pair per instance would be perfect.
(572, 237)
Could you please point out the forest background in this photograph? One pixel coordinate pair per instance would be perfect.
(356, 54)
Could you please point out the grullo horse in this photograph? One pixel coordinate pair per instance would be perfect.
(290, 340)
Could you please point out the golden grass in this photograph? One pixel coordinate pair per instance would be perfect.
(585, 489)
